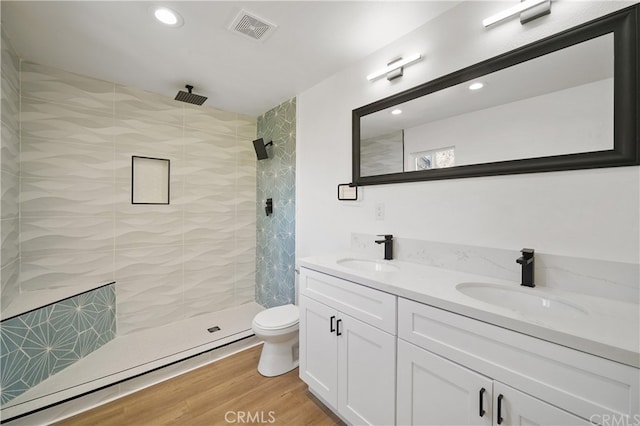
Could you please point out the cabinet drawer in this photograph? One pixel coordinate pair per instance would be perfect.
(366, 304)
(583, 384)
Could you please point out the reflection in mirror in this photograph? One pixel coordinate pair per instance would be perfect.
(382, 153)
(559, 103)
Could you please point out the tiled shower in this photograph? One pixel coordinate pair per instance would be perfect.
(71, 226)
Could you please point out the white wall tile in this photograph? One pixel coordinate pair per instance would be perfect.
(52, 84)
(66, 160)
(149, 287)
(47, 272)
(136, 103)
(65, 235)
(52, 198)
(44, 119)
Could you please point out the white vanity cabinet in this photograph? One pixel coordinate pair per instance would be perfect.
(445, 360)
(348, 347)
(435, 391)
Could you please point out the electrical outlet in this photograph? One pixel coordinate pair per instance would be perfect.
(379, 211)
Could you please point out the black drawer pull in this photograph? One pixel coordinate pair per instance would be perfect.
(500, 409)
(333, 324)
(480, 401)
(338, 332)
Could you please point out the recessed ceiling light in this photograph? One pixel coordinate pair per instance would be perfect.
(167, 16)
(476, 86)
(396, 112)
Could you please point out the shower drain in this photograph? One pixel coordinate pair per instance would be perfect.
(213, 329)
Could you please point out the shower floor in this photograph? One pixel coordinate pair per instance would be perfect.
(135, 354)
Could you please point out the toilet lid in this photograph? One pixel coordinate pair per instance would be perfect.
(278, 317)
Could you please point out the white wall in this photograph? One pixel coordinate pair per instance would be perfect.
(586, 213)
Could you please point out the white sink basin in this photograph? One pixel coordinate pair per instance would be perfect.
(525, 301)
(369, 265)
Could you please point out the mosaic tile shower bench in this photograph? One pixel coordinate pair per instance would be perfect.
(39, 343)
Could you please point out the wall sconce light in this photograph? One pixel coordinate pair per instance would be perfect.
(395, 68)
(527, 9)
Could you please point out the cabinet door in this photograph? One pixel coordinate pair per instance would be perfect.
(517, 408)
(436, 391)
(366, 373)
(319, 349)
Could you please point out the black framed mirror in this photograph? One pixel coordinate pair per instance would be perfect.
(569, 101)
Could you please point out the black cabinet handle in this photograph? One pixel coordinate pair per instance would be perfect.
(338, 332)
(500, 409)
(333, 325)
(480, 400)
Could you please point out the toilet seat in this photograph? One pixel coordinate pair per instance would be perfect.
(277, 318)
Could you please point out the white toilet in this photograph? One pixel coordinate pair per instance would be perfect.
(278, 327)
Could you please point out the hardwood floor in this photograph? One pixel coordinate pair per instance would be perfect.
(230, 391)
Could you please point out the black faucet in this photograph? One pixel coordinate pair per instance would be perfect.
(527, 262)
(388, 246)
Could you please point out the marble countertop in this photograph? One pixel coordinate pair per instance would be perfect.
(610, 328)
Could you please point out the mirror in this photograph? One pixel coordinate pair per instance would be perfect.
(566, 102)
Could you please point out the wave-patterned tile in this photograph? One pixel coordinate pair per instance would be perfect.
(140, 104)
(10, 282)
(215, 254)
(10, 243)
(213, 146)
(10, 190)
(137, 231)
(64, 160)
(147, 139)
(247, 128)
(55, 85)
(122, 204)
(52, 198)
(248, 206)
(208, 278)
(53, 121)
(382, 154)
(9, 61)
(10, 100)
(149, 290)
(245, 271)
(65, 235)
(210, 297)
(10, 155)
(245, 226)
(209, 172)
(200, 229)
(209, 199)
(50, 272)
(210, 119)
(246, 172)
(246, 191)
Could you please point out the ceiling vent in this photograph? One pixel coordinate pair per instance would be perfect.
(251, 26)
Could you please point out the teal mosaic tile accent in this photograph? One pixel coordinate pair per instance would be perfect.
(275, 241)
(39, 343)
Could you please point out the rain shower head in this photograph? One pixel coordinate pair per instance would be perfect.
(189, 97)
(261, 148)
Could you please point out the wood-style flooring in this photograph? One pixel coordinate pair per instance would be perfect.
(230, 391)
